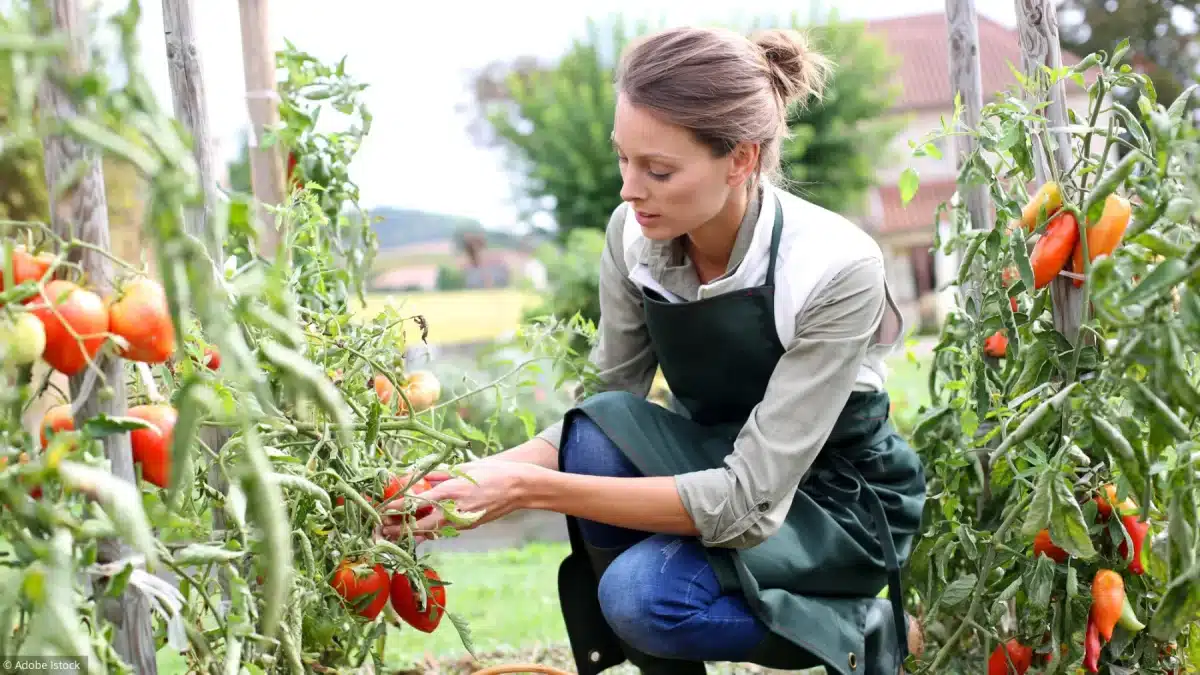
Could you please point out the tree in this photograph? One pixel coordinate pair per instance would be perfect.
(1162, 36)
(555, 122)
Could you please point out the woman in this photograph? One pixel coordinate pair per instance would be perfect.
(758, 520)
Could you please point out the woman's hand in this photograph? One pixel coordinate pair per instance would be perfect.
(495, 487)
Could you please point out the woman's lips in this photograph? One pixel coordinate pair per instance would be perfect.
(644, 218)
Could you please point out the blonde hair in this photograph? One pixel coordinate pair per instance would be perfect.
(724, 87)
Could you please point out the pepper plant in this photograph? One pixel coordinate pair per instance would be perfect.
(1061, 525)
(264, 348)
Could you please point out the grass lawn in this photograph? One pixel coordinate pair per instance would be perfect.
(458, 316)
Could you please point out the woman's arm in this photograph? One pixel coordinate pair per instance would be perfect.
(645, 504)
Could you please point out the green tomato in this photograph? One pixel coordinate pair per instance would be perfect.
(23, 339)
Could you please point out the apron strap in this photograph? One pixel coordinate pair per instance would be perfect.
(889, 555)
(776, 231)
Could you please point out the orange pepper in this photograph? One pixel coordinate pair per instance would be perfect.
(1105, 503)
(1048, 195)
(1103, 235)
(1053, 250)
(1108, 601)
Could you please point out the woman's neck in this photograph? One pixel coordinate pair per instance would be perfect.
(711, 245)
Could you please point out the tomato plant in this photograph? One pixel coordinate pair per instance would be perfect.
(1027, 457)
(267, 457)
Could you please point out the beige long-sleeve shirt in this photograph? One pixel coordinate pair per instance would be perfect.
(835, 318)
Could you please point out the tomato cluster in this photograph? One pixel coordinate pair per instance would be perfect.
(367, 589)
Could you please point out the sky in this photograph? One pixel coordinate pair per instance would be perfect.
(417, 58)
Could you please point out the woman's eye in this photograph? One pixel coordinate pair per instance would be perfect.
(659, 176)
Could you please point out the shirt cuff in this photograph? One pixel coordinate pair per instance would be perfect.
(552, 434)
(723, 519)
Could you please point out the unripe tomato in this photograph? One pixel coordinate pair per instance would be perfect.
(405, 600)
(26, 267)
(354, 580)
(384, 389)
(140, 315)
(84, 312)
(57, 418)
(23, 340)
(1107, 499)
(152, 447)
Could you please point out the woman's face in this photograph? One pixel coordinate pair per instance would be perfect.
(671, 181)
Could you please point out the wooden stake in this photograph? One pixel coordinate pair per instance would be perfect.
(188, 89)
(1037, 24)
(966, 83)
(191, 106)
(258, 64)
(82, 212)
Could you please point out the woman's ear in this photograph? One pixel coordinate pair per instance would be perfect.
(745, 161)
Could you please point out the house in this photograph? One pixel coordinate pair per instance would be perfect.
(906, 232)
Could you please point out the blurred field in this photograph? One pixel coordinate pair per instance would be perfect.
(458, 316)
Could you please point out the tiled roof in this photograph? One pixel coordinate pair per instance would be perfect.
(919, 213)
(920, 44)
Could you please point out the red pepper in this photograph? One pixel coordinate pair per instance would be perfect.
(1051, 252)
(1108, 601)
(1020, 655)
(1091, 646)
(1137, 532)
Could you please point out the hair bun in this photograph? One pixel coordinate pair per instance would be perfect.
(796, 71)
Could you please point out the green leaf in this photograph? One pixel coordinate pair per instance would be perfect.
(120, 499)
(200, 554)
(1178, 607)
(103, 425)
(1067, 527)
(958, 591)
(464, 632)
(1042, 582)
(908, 184)
(1038, 515)
(1072, 582)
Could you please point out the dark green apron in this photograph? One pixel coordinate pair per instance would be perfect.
(852, 521)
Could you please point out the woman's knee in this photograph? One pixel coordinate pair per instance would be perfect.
(588, 450)
(663, 598)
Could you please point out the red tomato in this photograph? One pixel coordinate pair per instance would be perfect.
(80, 309)
(353, 580)
(26, 267)
(1021, 656)
(152, 447)
(212, 358)
(996, 345)
(405, 599)
(57, 418)
(140, 315)
(1043, 545)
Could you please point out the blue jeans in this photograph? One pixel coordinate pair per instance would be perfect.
(660, 595)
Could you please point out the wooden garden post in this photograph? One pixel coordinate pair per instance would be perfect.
(266, 164)
(82, 212)
(966, 83)
(1037, 24)
(191, 107)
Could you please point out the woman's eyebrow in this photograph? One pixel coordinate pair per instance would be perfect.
(646, 155)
